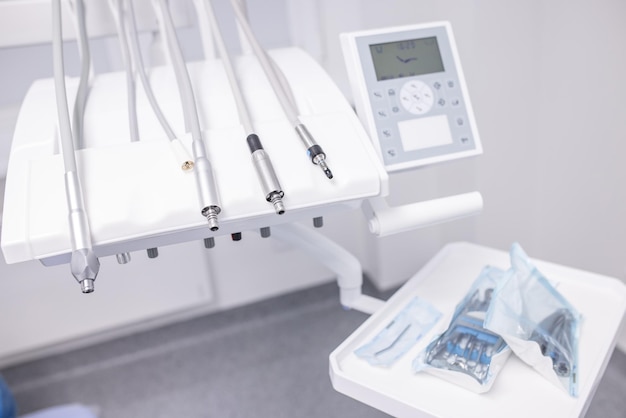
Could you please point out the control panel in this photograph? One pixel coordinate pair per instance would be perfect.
(410, 94)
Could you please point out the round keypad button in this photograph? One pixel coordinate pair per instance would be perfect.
(416, 97)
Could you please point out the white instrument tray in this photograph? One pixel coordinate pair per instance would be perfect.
(137, 196)
(519, 391)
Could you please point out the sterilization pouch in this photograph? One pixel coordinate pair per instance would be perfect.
(401, 334)
(466, 353)
(537, 322)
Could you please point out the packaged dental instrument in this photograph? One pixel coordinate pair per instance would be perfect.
(401, 334)
(466, 353)
(537, 322)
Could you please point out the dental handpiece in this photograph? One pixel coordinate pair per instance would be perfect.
(282, 90)
(265, 171)
(314, 151)
(84, 264)
(203, 171)
(272, 190)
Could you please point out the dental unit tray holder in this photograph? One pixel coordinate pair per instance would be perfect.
(138, 196)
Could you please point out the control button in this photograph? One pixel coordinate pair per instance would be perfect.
(437, 85)
(460, 121)
(455, 102)
(416, 97)
(382, 114)
(464, 139)
(391, 92)
(377, 94)
(451, 84)
(395, 109)
(386, 133)
(391, 153)
(441, 102)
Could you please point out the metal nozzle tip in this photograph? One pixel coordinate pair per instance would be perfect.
(276, 198)
(87, 286)
(279, 208)
(321, 161)
(211, 216)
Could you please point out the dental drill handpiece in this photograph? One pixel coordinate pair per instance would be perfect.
(282, 91)
(203, 172)
(265, 171)
(260, 159)
(314, 151)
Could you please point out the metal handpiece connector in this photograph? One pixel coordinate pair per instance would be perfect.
(276, 199)
(210, 213)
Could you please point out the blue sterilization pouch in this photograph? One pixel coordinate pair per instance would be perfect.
(401, 334)
(466, 353)
(537, 322)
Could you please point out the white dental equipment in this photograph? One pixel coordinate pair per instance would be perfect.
(138, 197)
(410, 93)
(136, 194)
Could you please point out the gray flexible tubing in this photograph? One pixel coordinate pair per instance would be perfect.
(135, 53)
(82, 93)
(118, 9)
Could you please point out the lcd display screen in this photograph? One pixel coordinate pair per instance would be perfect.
(406, 58)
